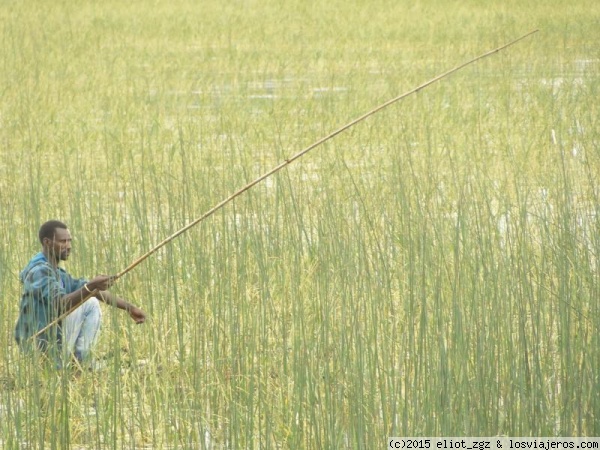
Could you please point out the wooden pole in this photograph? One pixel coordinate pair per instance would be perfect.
(284, 164)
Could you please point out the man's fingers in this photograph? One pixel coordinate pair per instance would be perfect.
(106, 281)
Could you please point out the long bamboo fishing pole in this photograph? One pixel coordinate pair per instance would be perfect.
(281, 166)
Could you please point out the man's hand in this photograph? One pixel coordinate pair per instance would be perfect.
(137, 315)
(134, 312)
(101, 282)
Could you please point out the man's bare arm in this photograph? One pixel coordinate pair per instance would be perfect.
(134, 312)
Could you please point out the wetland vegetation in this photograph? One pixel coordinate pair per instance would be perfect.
(431, 272)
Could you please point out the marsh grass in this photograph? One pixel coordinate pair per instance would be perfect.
(432, 271)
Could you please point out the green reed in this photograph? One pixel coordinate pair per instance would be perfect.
(429, 272)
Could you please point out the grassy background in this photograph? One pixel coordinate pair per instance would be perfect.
(432, 271)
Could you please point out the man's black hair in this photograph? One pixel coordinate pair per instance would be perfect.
(48, 229)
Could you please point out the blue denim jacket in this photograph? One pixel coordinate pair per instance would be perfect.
(43, 286)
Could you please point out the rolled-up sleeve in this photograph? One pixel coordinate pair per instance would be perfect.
(72, 284)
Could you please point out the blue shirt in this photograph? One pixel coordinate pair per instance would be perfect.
(43, 287)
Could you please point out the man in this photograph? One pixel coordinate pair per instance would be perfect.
(49, 291)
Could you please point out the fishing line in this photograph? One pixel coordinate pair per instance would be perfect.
(281, 166)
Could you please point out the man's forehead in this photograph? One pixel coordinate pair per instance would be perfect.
(61, 234)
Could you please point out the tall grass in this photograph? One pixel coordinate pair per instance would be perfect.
(432, 271)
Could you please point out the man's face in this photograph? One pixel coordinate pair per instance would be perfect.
(60, 246)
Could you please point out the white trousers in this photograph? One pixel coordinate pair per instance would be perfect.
(81, 329)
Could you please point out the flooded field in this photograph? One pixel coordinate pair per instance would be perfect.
(431, 271)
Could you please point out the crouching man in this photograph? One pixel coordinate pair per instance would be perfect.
(49, 291)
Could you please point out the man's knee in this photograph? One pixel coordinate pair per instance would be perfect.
(92, 306)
